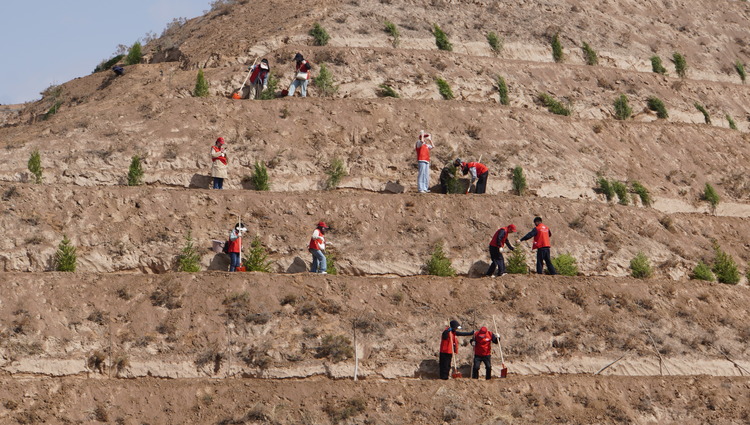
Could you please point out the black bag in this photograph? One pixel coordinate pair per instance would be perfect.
(225, 250)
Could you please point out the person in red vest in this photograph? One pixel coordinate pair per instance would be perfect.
(423, 147)
(219, 163)
(235, 246)
(301, 75)
(482, 341)
(259, 77)
(317, 248)
(497, 243)
(449, 346)
(541, 234)
(479, 173)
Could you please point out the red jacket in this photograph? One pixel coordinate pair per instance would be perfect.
(316, 242)
(499, 243)
(450, 344)
(541, 239)
(423, 153)
(481, 168)
(234, 245)
(483, 342)
(223, 159)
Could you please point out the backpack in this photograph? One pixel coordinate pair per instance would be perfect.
(225, 250)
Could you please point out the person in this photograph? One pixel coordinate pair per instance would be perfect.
(317, 248)
(482, 341)
(219, 163)
(541, 234)
(449, 346)
(497, 243)
(234, 247)
(259, 77)
(479, 173)
(423, 147)
(118, 70)
(301, 75)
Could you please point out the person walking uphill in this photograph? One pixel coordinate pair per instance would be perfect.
(317, 248)
(449, 346)
(498, 241)
(259, 77)
(541, 234)
(219, 163)
(423, 147)
(234, 246)
(483, 340)
(479, 173)
(301, 75)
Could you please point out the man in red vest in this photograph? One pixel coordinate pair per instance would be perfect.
(541, 234)
(449, 346)
(482, 341)
(479, 173)
(496, 249)
(423, 147)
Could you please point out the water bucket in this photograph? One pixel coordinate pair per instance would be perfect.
(217, 246)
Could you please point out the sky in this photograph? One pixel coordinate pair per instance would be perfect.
(45, 42)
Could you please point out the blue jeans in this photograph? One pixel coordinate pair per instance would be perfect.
(423, 176)
(318, 261)
(302, 84)
(234, 261)
(218, 183)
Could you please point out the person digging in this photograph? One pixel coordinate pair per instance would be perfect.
(479, 173)
(482, 342)
(449, 347)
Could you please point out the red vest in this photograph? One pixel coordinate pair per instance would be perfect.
(483, 343)
(499, 243)
(481, 168)
(423, 153)
(315, 243)
(223, 159)
(450, 344)
(258, 75)
(541, 240)
(234, 245)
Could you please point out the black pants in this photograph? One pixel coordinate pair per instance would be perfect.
(445, 365)
(543, 255)
(478, 360)
(497, 261)
(482, 182)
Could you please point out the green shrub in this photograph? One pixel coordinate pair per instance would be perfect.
(517, 262)
(201, 85)
(657, 66)
(640, 266)
(109, 63)
(642, 192)
(711, 196)
(135, 172)
(702, 272)
(557, 49)
(35, 166)
(439, 264)
(392, 30)
(502, 89)
(518, 181)
(590, 54)
(565, 264)
(324, 82)
(270, 91)
(65, 257)
(496, 42)
(189, 260)
(336, 171)
(336, 348)
(622, 192)
(257, 259)
(606, 188)
(387, 91)
(444, 88)
(259, 179)
(706, 116)
(441, 38)
(52, 110)
(319, 34)
(330, 255)
(725, 268)
(655, 104)
(553, 105)
(454, 182)
(134, 54)
(680, 64)
(740, 67)
(731, 122)
(623, 110)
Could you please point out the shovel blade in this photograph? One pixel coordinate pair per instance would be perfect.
(504, 372)
(236, 95)
(457, 375)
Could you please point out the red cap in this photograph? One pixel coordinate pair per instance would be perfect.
(220, 141)
(323, 225)
(512, 228)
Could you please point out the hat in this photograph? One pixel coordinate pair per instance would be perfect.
(323, 225)
(483, 330)
(512, 228)
(455, 325)
(457, 162)
(298, 57)
(423, 136)
(220, 141)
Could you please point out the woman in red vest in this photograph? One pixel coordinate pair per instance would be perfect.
(235, 246)
(541, 235)
(301, 75)
(259, 78)
(317, 248)
(219, 163)
(423, 147)
(449, 346)
(483, 340)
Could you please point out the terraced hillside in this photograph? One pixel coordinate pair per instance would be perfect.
(127, 339)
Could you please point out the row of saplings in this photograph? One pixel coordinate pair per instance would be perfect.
(723, 269)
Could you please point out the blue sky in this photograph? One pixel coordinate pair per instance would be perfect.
(44, 42)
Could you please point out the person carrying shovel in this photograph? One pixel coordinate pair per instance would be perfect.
(542, 235)
(479, 173)
(449, 347)
(482, 341)
(259, 78)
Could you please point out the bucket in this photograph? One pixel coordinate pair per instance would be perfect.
(217, 246)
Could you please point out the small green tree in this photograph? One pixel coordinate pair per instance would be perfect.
(680, 64)
(135, 172)
(706, 116)
(732, 124)
(557, 49)
(725, 268)
(392, 30)
(65, 257)
(319, 34)
(201, 85)
(387, 91)
(502, 89)
(657, 66)
(642, 193)
(702, 272)
(189, 261)
(134, 54)
(606, 188)
(257, 259)
(640, 266)
(518, 181)
(109, 63)
(259, 178)
(453, 181)
(336, 172)
(444, 88)
(270, 91)
(517, 262)
(711, 196)
(565, 264)
(495, 42)
(740, 67)
(655, 104)
(324, 82)
(590, 54)
(330, 254)
(439, 264)
(623, 110)
(441, 38)
(553, 105)
(35, 166)
(622, 192)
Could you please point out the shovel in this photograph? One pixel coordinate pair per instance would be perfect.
(456, 373)
(240, 268)
(503, 370)
(238, 93)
